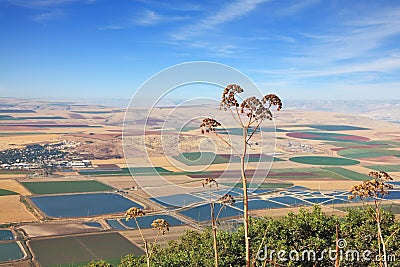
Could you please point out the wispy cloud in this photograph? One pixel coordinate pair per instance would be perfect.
(149, 17)
(46, 3)
(229, 12)
(144, 18)
(355, 38)
(295, 7)
(378, 66)
(49, 9)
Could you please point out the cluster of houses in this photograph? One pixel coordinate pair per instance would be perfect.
(37, 156)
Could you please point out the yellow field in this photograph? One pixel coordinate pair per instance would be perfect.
(12, 210)
(13, 185)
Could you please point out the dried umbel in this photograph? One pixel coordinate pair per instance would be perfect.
(374, 188)
(133, 213)
(210, 182)
(228, 96)
(209, 125)
(272, 100)
(227, 199)
(258, 109)
(160, 225)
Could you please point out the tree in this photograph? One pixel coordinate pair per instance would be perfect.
(249, 114)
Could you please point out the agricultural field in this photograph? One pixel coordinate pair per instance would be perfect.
(63, 187)
(81, 249)
(312, 164)
(83, 205)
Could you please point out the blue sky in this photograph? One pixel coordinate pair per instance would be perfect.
(305, 49)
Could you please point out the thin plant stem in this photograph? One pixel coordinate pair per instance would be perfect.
(146, 248)
(245, 198)
(226, 142)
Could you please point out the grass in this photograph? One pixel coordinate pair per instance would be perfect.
(319, 160)
(125, 171)
(4, 192)
(62, 187)
(76, 250)
(203, 158)
(348, 173)
(360, 153)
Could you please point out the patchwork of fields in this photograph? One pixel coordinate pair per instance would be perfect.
(83, 210)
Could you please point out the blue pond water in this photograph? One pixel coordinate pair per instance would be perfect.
(335, 201)
(83, 205)
(290, 201)
(10, 251)
(93, 224)
(116, 225)
(180, 200)
(203, 212)
(6, 235)
(318, 200)
(255, 204)
(393, 195)
(145, 221)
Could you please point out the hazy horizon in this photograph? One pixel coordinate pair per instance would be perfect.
(298, 50)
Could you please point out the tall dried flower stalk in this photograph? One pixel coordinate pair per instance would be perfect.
(225, 200)
(249, 114)
(376, 189)
(161, 225)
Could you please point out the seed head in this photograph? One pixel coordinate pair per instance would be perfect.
(209, 125)
(160, 225)
(210, 182)
(228, 96)
(227, 199)
(133, 213)
(374, 188)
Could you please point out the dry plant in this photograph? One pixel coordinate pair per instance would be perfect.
(249, 114)
(161, 225)
(225, 200)
(376, 189)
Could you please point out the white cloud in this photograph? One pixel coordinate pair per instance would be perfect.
(46, 3)
(229, 12)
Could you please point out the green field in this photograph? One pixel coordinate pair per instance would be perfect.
(206, 158)
(385, 168)
(4, 192)
(33, 118)
(62, 187)
(319, 160)
(203, 158)
(304, 173)
(77, 250)
(126, 172)
(360, 153)
(348, 173)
